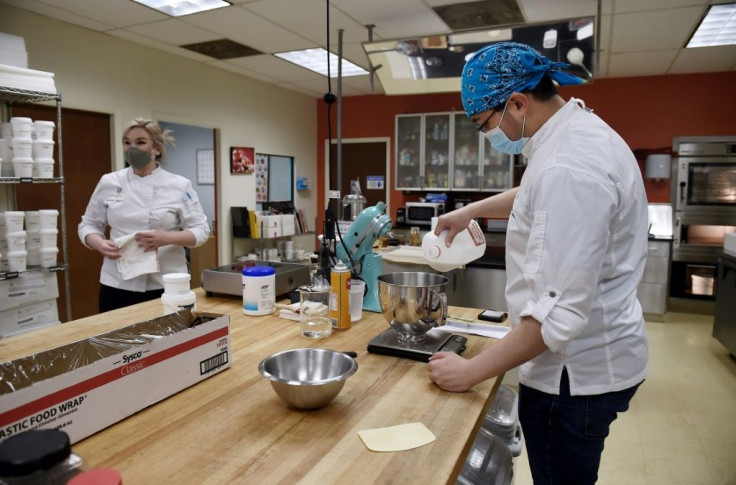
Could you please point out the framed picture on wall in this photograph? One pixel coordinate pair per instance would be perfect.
(242, 160)
(261, 177)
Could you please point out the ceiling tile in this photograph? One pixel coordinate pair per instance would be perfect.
(653, 63)
(278, 68)
(115, 13)
(140, 39)
(173, 32)
(704, 59)
(63, 15)
(394, 19)
(309, 18)
(653, 30)
(249, 29)
(545, 10)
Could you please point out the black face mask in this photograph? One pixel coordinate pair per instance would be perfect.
(137, 158)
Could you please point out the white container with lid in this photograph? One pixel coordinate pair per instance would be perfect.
(21, 126)
(6, 130)
(48, 237)
(48, 257)
(33, 258)
(176, 283)
(23, 167)
(14, 221)
(33, 221)
(17, 260)
(259, 290)
(43, 168)
(15, 241)
(43, 148)
(174, 303)
(44, 129)
(49, 218)
(467, 246)
(22, 147)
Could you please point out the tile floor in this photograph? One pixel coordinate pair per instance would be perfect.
(681, 426)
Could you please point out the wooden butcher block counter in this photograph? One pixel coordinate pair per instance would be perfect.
(233, 428)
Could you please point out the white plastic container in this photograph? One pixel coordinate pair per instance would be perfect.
(21, 126)
(23, 167)
(49, 218)
(33, 258)
(43, 149)
(44, 129)
(6, 130)
(5, 153)
(43, 168)
(33, 240)
(16, 241)
(17, 260)
(33, 221)
(48, 238)
(22, 147)
(14, 221)
(357, 290)
(48, 256)
(259, 290)
(176, 284)
(467, 246)
(174, 303)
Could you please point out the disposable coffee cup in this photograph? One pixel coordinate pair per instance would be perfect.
(357, 290)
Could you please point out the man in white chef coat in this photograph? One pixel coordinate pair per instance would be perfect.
(576, 246)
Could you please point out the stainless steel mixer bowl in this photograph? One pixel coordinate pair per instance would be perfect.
(413, 303)
(307, 378)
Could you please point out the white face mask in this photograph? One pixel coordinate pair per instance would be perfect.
(501, 142)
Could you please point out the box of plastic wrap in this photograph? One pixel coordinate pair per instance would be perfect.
(85, 386)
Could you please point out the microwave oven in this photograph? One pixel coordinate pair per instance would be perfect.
(421, 213)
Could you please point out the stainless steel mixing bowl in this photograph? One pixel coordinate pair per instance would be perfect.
(307, 378)
(413, 303)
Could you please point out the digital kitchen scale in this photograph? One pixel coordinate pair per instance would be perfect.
(387, 343)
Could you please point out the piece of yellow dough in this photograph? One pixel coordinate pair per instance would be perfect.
(397, 438)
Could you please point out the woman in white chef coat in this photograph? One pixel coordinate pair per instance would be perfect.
(152, 214)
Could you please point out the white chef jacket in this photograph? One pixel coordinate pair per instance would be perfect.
(128, 203)
(575, 251)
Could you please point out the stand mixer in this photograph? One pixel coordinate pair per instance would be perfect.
(355, 249)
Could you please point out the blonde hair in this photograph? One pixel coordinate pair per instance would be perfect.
(159, 136)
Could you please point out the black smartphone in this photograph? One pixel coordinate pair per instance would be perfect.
(492, 316)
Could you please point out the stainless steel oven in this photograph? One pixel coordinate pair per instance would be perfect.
(703, 194)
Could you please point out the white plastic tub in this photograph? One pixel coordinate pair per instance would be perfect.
(48, 238)
(33, 258)
(21, 126)
(22, 147)
(48, 257)
(23, 167)
(16, 241)
(174, 303)
(17, 260)
(43, 149)
(43, 168)
(49, 218)
(33, 221)
(176, 283)
(14, 221)
(44, 130)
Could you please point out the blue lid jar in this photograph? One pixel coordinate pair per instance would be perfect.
(259, 271)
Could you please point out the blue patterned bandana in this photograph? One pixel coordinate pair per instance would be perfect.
(499, 70)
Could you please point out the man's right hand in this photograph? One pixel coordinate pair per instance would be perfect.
(455, 222)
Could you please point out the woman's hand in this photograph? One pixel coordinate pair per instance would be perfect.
(105, 247)
(152, 240)
(450, 372)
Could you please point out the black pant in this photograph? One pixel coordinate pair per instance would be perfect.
(114, 298)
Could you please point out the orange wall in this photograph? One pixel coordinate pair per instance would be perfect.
(646, 111)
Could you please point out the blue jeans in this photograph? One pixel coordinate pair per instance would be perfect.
(564, 434)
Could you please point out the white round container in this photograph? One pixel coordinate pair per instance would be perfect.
(33, 221)
(34, 256)
(44, 129)
(48, 256)
(176, 283)
(23, 167)
(467, 246)
(14, 221)
(174, 303)
(43, 168)
(33, 240)
(21, 126)
(259, 290)
(49, 218)
(5, 153)
(48, 238)
(43, 149)
(22, 147)
(16, 241)
(17, 260)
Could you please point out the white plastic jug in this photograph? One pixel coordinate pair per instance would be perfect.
(467, 246)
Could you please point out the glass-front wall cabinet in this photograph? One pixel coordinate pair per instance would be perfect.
(409, 130)
(445, 151)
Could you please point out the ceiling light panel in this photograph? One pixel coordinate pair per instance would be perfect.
(718, 27)
(315, 60)
(177, 8)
